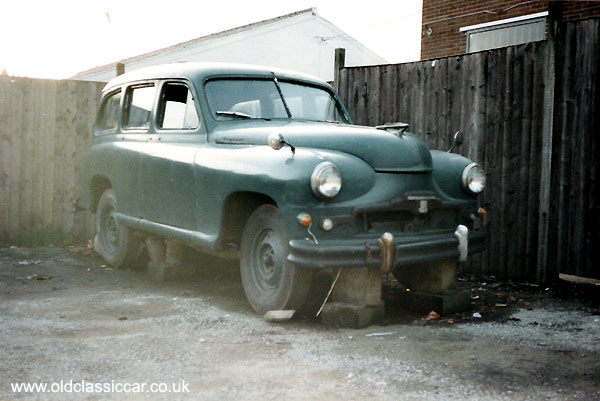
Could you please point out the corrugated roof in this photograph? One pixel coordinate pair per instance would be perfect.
(201, 39)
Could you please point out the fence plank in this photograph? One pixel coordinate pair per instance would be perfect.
(523, 131)
(492, 167)
(69, 163)
(564, 157)
(50, 162)
(16, 94)
(535, 156)
(27, 171)
(37, 162)
(6, 152)
(443, 141)
(587, 67)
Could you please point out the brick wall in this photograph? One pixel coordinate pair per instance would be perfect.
(575, 10)
(442, 19)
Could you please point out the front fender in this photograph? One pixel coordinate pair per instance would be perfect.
(222, 170)
(447, 174)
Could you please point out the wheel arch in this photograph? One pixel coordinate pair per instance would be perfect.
(98, 185)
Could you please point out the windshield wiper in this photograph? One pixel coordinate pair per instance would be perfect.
(285, 105)
(235, 114)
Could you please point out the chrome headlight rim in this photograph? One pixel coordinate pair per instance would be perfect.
(473, 179)
(326, 180)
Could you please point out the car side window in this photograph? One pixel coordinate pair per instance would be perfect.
(108, 116)
(138, 107)
(176, 108)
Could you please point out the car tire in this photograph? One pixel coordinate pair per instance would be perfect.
(270, 281)
(113, 241)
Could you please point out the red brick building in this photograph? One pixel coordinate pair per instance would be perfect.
(456, 27)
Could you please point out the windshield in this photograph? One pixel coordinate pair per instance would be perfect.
(270, 99)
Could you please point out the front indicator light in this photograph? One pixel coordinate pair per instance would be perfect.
(473, 178)
(305, 219)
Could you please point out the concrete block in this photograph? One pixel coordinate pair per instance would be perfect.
(434, 278)
(340, 314)
(358, 286)
(174, 253)
(156, 249)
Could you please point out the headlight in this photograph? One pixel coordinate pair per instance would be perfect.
(326, 180)
(473, 178)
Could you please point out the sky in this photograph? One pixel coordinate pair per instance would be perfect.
(58, 38)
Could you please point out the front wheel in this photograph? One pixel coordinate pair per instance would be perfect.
(270, 281)
(113, 241)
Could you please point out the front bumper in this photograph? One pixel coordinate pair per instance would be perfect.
(407, 249)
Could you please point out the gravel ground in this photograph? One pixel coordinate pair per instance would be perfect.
(67, 317)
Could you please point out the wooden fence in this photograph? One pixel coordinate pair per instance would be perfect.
(574, 225)
(45, 127)
(530, 115)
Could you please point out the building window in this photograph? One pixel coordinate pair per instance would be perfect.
(507, 32)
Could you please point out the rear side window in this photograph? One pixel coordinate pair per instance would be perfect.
(108, 115)
(138, 107)
(176, 108)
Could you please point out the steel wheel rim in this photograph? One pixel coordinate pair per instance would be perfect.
(268, 258)
(109, 230)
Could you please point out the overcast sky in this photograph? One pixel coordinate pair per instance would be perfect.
(58, 38)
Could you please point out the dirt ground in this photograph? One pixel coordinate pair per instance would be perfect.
(67, 319)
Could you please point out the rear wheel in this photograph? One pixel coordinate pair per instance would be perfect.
(113, 241)
(270, 281)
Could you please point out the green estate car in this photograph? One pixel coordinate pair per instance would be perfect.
(264, 165)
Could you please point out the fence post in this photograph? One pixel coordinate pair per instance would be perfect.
(120, 69)
(339, 63)
(542, 273)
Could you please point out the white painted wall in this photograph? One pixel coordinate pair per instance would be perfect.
(304, 42)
